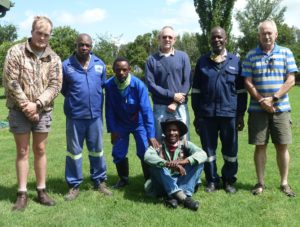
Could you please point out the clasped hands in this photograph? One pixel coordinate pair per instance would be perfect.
(30, 110)
(267, 104)
(179, 98)
(177, 165)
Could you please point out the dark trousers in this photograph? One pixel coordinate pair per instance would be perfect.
(210, 129)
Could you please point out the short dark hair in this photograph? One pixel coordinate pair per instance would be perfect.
(118, 59)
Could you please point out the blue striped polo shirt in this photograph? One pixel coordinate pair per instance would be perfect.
(268, 72)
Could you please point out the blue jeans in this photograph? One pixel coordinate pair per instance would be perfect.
(161, 113)
(163, 182)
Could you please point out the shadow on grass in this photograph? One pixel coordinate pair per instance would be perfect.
(135, 190)
(54, 185)
(2, 97)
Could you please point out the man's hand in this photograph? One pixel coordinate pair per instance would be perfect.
(240, 123)
(114, 136)
(181, 170)
(179, 97)
(154, 143)
(172, 107)
(267, 104)
(30, 110)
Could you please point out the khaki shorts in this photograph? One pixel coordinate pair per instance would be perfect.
(18, 122)
(261, 125)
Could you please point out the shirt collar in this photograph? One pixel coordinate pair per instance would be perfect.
(172, 52)
(218, 58)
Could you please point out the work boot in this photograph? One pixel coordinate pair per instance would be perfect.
(102, 188)
(171, 202)
(229, 188)
(21, 202)
(72, 194)
(123, 172)
(191, 204)
(146, 171)
(43, 198)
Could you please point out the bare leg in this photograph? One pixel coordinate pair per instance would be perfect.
(22, 160)
(283, 160)
(39, 141)
(260, 158)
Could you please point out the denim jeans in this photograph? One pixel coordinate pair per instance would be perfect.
(161, 113)
(165, 183)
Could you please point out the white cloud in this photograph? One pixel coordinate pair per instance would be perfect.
(89, 16)
(180, 15)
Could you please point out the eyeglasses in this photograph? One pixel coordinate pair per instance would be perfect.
(84, 44)
(168, 36)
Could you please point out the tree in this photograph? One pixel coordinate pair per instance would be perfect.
(255, 12)
(8, 33)
(63, 41)
(138, 50)
(213, 13)
(106, 48)
(188, 43)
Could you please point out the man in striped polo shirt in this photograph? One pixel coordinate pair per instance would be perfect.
(269, 72)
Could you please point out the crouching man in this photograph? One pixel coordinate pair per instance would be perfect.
(176, 167)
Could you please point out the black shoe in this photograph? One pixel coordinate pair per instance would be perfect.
(120, 184)
(171, 202)
(191, 204)
(211, 187)
(229, 188)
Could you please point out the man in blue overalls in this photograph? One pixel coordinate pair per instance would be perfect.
(219, 102)
(128, 110)
(83, 78)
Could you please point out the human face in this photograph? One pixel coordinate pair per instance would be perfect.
(166, 40)
(218, 40)
(40, 36)
(172, 134)
(83, 47)
(267, 36)
(121, 69)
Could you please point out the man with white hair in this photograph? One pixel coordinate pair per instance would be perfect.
(269, 72)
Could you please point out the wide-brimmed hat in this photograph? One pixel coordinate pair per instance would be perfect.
(183, 129)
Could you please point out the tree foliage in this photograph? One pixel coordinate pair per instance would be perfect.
(63, 41)
(8, 33)
(106, 48)
(255, 12)
(213, 13)
(188, 43)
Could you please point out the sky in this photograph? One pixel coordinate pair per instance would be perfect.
(121, 20)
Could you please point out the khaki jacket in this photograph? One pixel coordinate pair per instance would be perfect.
(28, 78)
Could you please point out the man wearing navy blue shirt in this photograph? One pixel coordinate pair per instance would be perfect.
(219, 102)
(83, 78)
(168, 77)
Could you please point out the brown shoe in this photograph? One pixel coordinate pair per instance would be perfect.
(21, 202)
(287, 190)
(43, 198)
(258, 189)
(72, 194)
(102, 188)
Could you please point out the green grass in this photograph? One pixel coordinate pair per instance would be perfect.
(130, 207)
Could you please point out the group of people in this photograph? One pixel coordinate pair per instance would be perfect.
(171, 163)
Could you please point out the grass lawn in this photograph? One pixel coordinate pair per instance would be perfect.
(130, 207)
